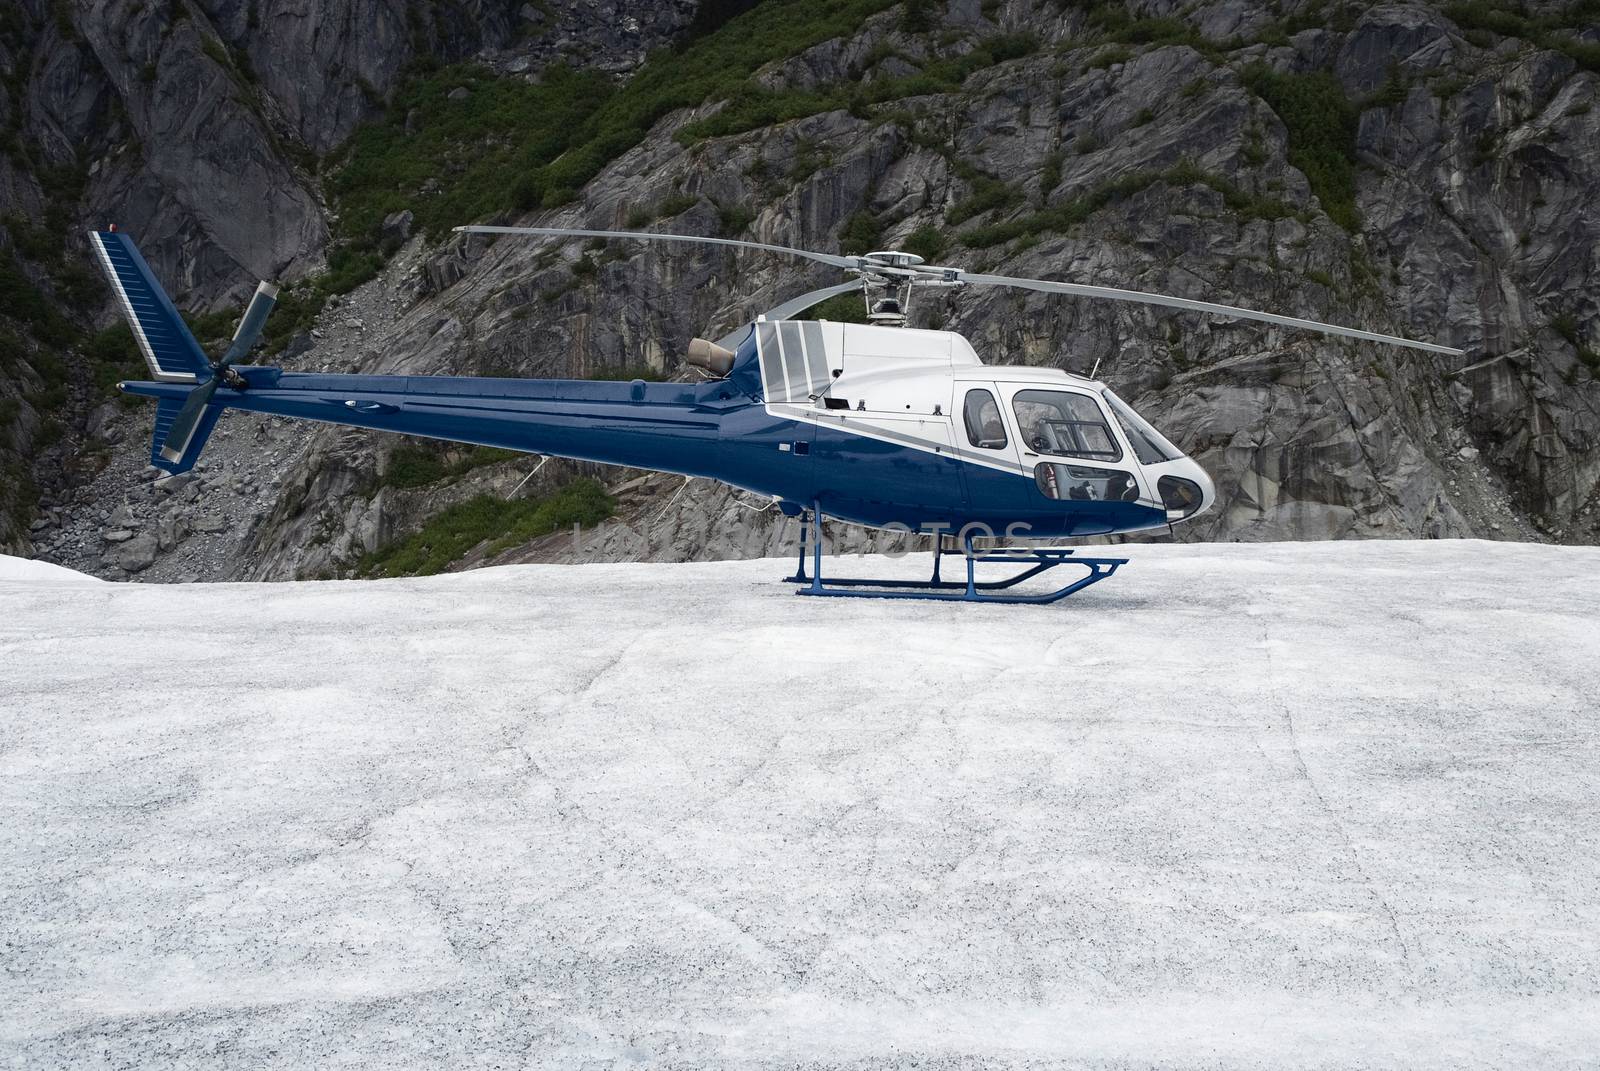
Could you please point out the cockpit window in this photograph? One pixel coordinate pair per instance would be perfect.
(1064, 424)
(1148, 445)
(982, 415)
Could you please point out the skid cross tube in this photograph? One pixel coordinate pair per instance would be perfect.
(1038, 559)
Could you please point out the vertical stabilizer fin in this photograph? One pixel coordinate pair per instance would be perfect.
(169, 349)
(176, 457)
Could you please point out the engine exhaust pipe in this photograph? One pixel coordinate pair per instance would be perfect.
(710, 356)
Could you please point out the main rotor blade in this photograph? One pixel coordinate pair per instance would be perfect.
(250, 325)
(788, 309)
(651, 236)
(1082, 290)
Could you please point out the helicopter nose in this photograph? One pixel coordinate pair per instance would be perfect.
(1208, 487)
(1186, 489)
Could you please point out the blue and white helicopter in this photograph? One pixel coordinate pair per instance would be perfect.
(877, 424)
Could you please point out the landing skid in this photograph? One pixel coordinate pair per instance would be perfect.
(1038, 559)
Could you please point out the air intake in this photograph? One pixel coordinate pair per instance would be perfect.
(710, 356)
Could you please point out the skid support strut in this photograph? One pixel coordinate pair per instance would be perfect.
(1038, 560)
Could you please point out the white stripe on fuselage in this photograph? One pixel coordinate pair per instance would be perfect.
(860, 423)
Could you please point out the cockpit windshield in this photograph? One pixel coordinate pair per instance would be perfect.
(1064, 423)
(1148, 444)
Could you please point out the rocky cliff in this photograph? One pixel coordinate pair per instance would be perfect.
(1411, 168)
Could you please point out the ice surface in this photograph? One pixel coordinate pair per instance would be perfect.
(26, 570)
(1318, 805)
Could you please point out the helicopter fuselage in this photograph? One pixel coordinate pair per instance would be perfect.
(878, 426)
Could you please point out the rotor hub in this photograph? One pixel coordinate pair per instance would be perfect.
(891, 258)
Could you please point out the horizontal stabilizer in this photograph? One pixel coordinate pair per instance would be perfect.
(170, 350)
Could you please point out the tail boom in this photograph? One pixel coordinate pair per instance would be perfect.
(669, 427)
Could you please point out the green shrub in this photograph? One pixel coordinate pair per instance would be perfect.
(21, 300)
(733, 219)
(1161, 31)
(861, 233)
(216, 52)
(1566, 325)
(513, 144)
(841, 309)
(926, 242)
(1393, 91)
(753, 106)
(676, 205)
(113, 356)
(918, 16)
(1110, 57)
(211, 328)
(449, 535)
(1050, 173)
(417, 464)
(1063, 217)
(472, 155)
(1553, 29)
(808, 160)
(414, 466)
(1321, 124)
(988, 193)
(712, 68)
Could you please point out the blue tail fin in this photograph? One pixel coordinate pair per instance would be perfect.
(179, 457)
(164, 339)
(169, 349)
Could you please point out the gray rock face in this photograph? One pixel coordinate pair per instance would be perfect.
(135, 555)
(171, 530)
(1477, 209)
(210, 193)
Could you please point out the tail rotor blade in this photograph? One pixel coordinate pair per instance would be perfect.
(251, 324)
(188, 418)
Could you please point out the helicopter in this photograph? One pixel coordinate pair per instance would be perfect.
(877, 424)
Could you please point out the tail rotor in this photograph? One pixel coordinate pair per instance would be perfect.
(245, 336)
